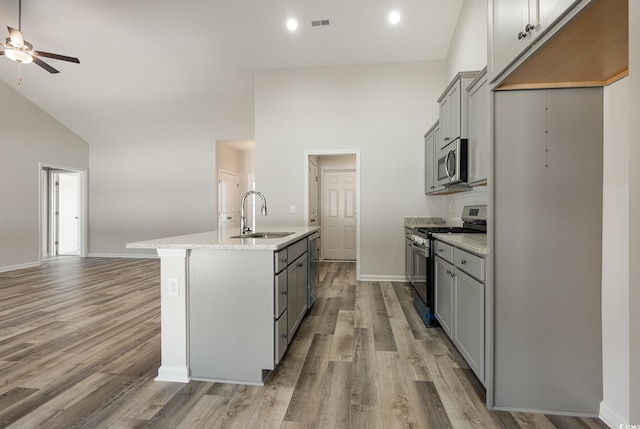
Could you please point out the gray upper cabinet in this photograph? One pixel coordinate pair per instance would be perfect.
(516, 25)
(478, 131)
(430, 139)
(454, 109)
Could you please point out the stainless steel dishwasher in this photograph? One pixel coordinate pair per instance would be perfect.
(314, 268)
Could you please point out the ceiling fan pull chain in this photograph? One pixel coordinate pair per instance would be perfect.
(19, 74)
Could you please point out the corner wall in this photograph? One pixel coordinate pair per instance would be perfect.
(615, 255)
(634, 210)
(29, 136)
(468, 48)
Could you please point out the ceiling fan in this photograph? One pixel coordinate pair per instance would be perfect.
(19, 50)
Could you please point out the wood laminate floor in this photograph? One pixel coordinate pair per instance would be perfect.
(80, 347)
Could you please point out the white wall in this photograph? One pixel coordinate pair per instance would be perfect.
(141, 191)
(615, 255)
(468, 48)
(383, 111)
(29, 136)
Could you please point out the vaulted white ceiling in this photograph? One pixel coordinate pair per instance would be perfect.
(169, 69)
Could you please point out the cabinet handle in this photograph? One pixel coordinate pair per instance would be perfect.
(300, 264)
(284, 261)
(453, 275)
(464, 261)
(440, 250)
(229, 217)
(284, 336)
(449, 272)
(521, 35)
(284, 292)
(447, 139)
(529, 27)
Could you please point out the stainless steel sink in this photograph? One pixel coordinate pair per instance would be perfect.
(264, 235)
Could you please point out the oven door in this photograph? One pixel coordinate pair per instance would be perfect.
(419, 271)
(452, 163)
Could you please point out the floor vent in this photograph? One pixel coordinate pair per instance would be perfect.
(318, 23)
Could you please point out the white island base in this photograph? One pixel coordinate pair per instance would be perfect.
(220, 323)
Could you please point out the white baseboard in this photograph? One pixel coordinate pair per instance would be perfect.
(610, 417)
(381, 278)
(124, 255)
(542, 411)
(19, 266)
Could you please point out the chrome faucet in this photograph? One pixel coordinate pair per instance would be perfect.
(243, 220)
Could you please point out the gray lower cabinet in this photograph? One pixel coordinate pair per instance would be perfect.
(297, 298)
(244, 307)
(291, 289)
(444, 294)
(460, 302)
(468, 326)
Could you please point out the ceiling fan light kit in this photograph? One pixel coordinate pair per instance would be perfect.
(19, 50)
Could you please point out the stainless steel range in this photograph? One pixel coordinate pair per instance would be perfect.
(422, 258)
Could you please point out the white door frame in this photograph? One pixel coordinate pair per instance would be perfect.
(82, 209)
(329, 152)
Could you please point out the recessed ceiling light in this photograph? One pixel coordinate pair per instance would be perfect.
(394, 17)
(292, 24)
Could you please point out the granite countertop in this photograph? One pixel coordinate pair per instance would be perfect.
(212, 240)
(422, 222)
(474, 243)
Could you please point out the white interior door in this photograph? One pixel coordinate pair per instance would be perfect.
(339, 215)
(228, 201)
(67, 213)
(313, 194)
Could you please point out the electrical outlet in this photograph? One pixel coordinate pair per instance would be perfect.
(173, 286)
(292, 209)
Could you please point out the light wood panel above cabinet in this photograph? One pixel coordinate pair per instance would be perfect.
(590, 50)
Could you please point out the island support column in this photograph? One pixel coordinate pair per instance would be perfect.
(173, 307)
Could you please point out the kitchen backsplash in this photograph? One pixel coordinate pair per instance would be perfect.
(456, 202)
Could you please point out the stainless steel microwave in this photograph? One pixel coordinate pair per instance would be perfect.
(452, 163)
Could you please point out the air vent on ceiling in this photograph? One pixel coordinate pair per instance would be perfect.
(320, 23)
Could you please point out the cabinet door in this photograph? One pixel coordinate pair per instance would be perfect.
(468, 327)
(455, 112)
(507, 25)
(445, 124)
(280, 337)
(301, 265)
(444, 294)
(544, 13)
(292, 300)
(429, 163)
(437, 137)
(478, 132)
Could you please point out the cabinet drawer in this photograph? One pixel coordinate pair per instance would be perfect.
(443, 250)
(297, 249)
(280, 337)
(281, 293)
(469, 263)
(281, 260)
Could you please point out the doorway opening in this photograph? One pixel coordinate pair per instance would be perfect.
(235, 175)
(332, 202)
(63, 211)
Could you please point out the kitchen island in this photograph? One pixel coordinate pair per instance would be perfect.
(229, 305)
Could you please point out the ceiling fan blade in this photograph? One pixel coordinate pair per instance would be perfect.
(16, 37)
(44, 65)
(56, 56)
